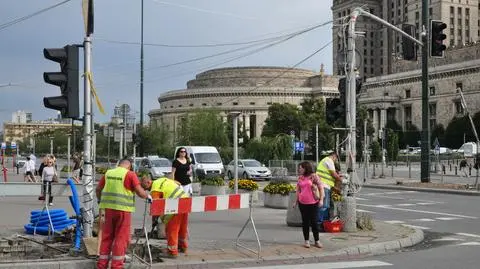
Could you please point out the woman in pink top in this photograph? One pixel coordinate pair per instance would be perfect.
(307, 203)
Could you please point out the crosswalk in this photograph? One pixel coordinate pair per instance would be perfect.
(327, 265)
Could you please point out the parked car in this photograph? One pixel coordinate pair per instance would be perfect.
(21, 163)
(156, 166)
(249, 168)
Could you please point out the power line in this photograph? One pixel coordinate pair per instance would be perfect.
(18, 20)
(284, 72)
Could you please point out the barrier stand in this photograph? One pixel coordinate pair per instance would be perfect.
(250, 219)
(195, 204)
(46, 195)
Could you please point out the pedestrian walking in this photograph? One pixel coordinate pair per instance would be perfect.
(116, 195)
(310, 195)
(29, 173)
(176, 224)
(182, 170)
(77, 166)
(463, 168)
(49, 175)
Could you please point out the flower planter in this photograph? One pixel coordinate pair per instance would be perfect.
(294, 218)
(196, 187)
(254, 194)
(213, 190)
(275, 201)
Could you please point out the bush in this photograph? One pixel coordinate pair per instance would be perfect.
(65, 169)
(244, 184)
(213, 181)
(279, 187)
(100, 170)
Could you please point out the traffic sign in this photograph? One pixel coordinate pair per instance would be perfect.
(13, 145)
(299, 146)
(4, 145)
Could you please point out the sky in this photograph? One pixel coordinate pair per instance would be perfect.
(116, 45)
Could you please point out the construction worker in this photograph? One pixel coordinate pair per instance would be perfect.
(329, 176)
(116, 195)
(176, 224)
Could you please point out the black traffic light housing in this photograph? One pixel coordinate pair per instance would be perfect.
(67, 79)
(409, 48)
(437, 36)
(335, 107)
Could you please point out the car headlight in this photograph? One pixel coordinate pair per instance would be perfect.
(251, 171)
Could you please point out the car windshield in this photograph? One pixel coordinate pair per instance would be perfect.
(252, 163)
(161, 163)
(210, 157)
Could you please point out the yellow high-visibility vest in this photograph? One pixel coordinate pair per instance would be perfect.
(114, 194)
(170, 189)
(324, 173)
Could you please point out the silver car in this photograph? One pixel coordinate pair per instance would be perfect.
(249, 168)
(157, 167)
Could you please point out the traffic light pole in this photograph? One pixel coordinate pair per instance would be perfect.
(87, 143)
(425, 154)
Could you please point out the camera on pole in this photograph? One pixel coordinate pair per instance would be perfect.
(67, 79)
(437, 36)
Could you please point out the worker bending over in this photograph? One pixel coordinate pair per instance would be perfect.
(176, 224)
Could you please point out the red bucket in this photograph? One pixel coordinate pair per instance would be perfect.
(333, 227)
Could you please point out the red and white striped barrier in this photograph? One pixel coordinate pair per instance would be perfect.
(199, 204)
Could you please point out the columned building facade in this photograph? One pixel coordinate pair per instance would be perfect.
(248, 90)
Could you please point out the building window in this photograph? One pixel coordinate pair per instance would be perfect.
(204, 104)
(459, 85)
(179, 105)
(269, 103)
(252, 103)
(407, 94)
(219, 104)
(458, 107)
(191, 105)
(432, 90)
(235, 103)
(171, 106)
(408, 117)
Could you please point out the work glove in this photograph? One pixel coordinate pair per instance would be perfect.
(149, 199)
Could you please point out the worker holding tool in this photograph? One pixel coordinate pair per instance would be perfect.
(176, 224)
(116, 196)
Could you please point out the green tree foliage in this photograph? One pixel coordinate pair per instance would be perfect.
(376, 155)
(411, 136)
(270, 148)
(156, 141)
(392, 145)
(456, 129)
(362, 116)
(397, 128)
(203, 127)
(312, 113)
(282, 118)
(438, 132)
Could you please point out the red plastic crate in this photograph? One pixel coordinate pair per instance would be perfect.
(333, 227)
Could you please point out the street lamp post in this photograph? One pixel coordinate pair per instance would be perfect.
(235, 115)
(51, 145)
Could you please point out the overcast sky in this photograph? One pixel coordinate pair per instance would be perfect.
(116, 67)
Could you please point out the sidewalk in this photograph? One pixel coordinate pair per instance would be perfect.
(212, 239)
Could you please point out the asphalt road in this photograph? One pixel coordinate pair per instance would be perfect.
(450, 223)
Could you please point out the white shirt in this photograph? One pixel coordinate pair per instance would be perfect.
(29, 166)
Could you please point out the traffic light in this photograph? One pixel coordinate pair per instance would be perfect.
(67, 79)
(409, 48)
(436, 38)
(335, 107)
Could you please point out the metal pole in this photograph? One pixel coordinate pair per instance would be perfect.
(383, 153)
(134, 143)
(87, 144)
(108, 145)
(365, 152)
(124, 130)
(51, 145)
(316, 143)
(68, 157)
(120, 155)
(425, 155)
(94, 153)
(235, 149)
(141, 77)
(464, 104)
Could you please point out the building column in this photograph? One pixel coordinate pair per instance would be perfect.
(246, 119)
(375, 121)
(383, 118)
(260, 122)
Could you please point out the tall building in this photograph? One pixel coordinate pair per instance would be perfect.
(381, 48)
(21, 116)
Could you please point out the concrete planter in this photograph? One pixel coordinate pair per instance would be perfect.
(213, 190)
(294, 218)
(196, 186)
(275, 201)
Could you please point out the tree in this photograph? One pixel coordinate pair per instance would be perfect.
(311, 114)
(203, 127)
(411, 136)
(438, 132)
(457, 129)
(362, 116)
(397, 128)
(376, 155)
(282, 119)
(270, 148)
(156, 141)
(392, 145)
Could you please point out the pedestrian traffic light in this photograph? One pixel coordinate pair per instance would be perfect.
(436, 38)
(409, 48)
(336, 107)
(67, 79)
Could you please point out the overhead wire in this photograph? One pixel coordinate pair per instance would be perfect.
(18, 20)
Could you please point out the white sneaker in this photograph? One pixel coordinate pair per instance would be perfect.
(307, 244)
(50, 204)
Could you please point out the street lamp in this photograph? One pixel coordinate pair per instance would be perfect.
(235, 115)
(51, 145)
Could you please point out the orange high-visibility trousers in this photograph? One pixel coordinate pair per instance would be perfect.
(177, 232)
(115, 238)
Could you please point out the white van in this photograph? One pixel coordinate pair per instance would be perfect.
(206, 161)
(468, 149)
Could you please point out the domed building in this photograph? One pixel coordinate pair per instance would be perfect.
(248, 90)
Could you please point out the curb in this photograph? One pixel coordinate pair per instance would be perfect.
(445, 191)
(366, 249)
